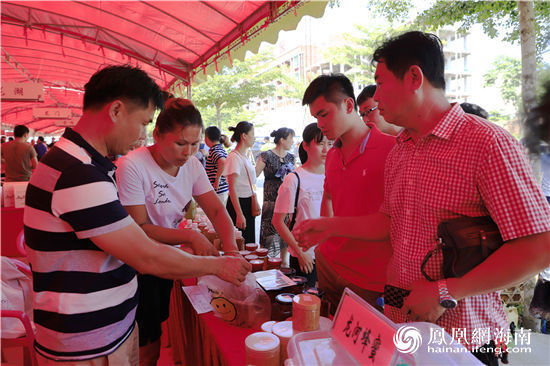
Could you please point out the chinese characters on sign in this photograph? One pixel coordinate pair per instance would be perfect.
(28, 91)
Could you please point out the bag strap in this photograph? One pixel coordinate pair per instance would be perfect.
(293, 219)
(439, 244)
(246, 169)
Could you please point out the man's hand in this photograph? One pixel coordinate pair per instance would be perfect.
(202, 246)
(233, 269)
(306, 262)
(240, 222)
(422, 304)
(311, 232)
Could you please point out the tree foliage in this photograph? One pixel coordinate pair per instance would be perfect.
(222, 97)
(497, 18)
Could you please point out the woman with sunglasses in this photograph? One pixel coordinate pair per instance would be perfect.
(156, 185)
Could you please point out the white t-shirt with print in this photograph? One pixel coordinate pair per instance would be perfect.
(236, 163)
(309, 198)
(142, 182)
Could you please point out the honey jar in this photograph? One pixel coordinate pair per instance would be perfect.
(263, 349)
(251, 246)
(284, 331)
(274, 263)
(305, 312)
(257, 264)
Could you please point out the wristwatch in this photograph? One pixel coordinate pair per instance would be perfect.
(445, 299)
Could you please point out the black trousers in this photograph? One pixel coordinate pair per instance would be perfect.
(249, 234)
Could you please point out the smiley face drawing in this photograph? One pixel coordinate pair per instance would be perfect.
(225, 308)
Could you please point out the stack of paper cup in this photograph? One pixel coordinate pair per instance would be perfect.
(284, 331)
(262, 349)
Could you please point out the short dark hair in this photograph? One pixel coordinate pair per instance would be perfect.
(414, 48)
(367, 92)
(334, 87)
(41, 138)
(242, 127)
(311, 132)
(213, 133)
(474, 109)
(20, 130)
(178, 112)
(282, 133)
(121, 82)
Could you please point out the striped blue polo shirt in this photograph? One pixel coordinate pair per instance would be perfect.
(84, 298)
(216, 153)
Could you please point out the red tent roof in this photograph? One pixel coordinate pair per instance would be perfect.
(62, 43)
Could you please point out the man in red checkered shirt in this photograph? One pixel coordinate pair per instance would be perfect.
(446, 164)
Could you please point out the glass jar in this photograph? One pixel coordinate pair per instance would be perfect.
(282, 308)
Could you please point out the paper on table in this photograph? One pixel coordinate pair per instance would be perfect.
(273, 279)
(199, 297)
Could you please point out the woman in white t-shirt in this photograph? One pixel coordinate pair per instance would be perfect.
(241, 176)
(313, 152)
(156, 185)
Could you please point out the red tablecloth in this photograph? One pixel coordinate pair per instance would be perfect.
(202, 339)
(12, 224)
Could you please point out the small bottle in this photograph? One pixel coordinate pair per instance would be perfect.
(262, 254)
(239, 239)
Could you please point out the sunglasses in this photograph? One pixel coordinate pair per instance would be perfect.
(366, 113)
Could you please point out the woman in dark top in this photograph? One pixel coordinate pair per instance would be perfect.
(276, 164)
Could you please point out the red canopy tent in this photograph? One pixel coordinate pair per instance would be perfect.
(62, 43)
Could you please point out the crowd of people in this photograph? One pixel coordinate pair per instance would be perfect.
(377, 175)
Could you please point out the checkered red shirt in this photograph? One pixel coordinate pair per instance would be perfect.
(466, 166)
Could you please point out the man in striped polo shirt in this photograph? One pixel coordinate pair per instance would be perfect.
(83, 247)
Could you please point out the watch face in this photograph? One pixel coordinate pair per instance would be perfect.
(448, 303)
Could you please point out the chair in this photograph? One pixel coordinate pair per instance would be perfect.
(27, 341)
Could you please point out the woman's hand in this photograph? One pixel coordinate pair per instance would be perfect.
(306, 262)
(240, 221)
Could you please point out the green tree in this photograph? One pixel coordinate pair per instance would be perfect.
(356, 51)
(523, 21)
(230, 90)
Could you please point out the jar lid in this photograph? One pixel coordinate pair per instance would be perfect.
(251, 257)
(256, 261)
(284, 298)
(274, 260)
(299, 280)
(288, 271)
(267, 326)
(306, 302)
(251, 246)
(314, 291)
(262, 251)
(244, 253)
(262, 342)
(283, 329)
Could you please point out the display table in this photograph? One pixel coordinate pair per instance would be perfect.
(12, 224)
(202, 339)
